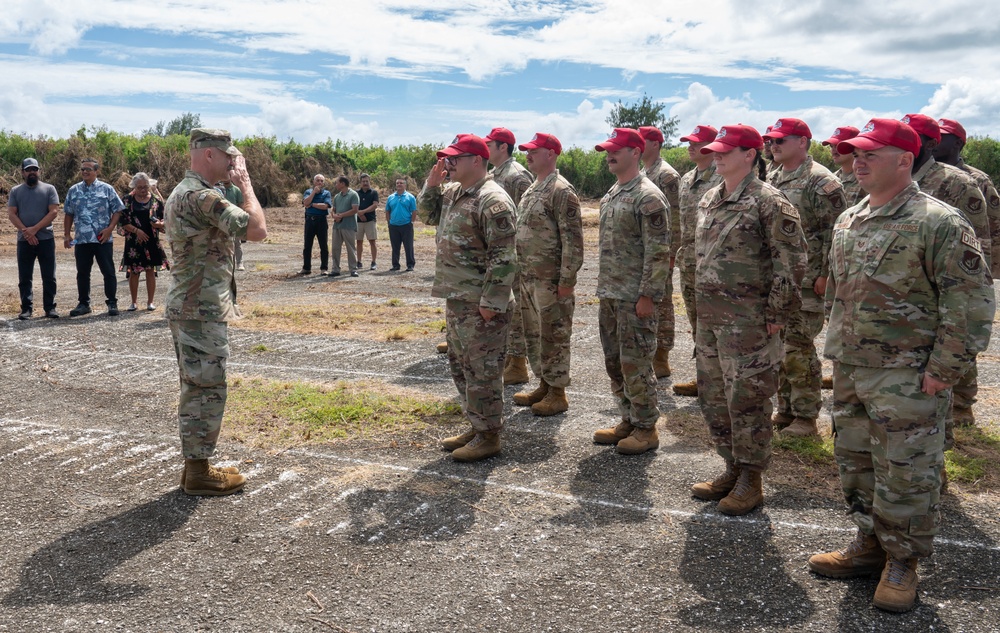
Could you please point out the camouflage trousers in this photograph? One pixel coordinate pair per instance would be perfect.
(475, 356)
(687, 292)
(737, 375)
(889, 443)
(629, 344)
(548, 326)
(800, 376)
(665, 315)
(202, 348)
(963, 397)
(515, 335)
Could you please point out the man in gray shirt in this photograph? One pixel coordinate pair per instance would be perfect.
(345, 226)
(31, 208)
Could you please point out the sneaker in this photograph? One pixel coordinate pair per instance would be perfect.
(150, 307)
(354, 273)
(306, 271)
(395, 269)
(25, 315)
(80, 310)
(51, 314)
(241, 267)
(372, 267)
(132, 308)
(409, 269)
(359, 266)
(113, 308)
(336, 274)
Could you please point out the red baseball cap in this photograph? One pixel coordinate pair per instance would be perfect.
(841, 134)
(701, 134)
(622, 137)
(923, 124)
(879, 133)
(501, 135)
(733, 136)
(545, 141)
(953, 127)
(788, 127)
(466, 144)
(651, 133)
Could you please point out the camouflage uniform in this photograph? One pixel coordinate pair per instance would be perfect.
(201, 226)
(852, 188)
(693, 186)
(475, 268)
(515, 180)
(549, 254)
(954, 187)
(634, 241)
(992, 211)
(909, 293)
(666, 178)
(750, 259)
(819, 198)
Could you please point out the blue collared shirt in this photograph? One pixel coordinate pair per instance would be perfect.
(92, 207)
(323, 197)
(400, 208)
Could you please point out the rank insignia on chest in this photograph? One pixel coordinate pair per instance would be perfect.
(628, 200)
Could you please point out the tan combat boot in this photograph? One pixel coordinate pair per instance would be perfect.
(747, 494)
(963, 417)
(827, 382)
(202, 479)
(554, 402)
(719, 487)
(614, 434)
(229, 470)
(862, 557)
(639, 441)
(528, 398)
(457, 441)
(515, 370)
(481, 446)
(781, 420)
(897, 590)
(689, 389)
(442, 348)
(801, 427)
(661, 365)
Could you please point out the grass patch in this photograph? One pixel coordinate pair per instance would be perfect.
(259, 348)
(966, 469)
(973, 460)
(10, 302)
(429, 232)
(367, 320)
(262, 268)
(816, 450)
(277, 414)
(439, 326)
(393, 303)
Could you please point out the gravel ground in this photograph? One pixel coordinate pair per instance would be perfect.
(555, 534)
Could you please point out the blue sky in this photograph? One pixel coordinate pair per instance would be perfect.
(399, 72)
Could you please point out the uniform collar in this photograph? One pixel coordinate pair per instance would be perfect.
(736, 193)
(890, 208)
(924, 170)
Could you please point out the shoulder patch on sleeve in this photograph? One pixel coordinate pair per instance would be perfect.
(975, 204)
(652, 205)
(969, 240)
(790, 211)
(831, 186)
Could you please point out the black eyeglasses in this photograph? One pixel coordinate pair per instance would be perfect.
(453, 159)
(781, 141)
(31, 169)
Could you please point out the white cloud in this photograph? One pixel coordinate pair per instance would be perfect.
(583, 127)
(975, 103)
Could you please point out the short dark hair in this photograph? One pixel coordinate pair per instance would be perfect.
(363, 175)
(344, 179)
(97, 165)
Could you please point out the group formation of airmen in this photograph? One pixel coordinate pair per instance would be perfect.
(894, 251)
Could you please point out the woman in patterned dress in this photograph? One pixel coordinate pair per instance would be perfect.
(142, 221)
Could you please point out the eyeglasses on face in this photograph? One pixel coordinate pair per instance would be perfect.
(85, 169)
(781, 141)
(451, 160)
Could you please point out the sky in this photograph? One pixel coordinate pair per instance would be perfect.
(395, 72)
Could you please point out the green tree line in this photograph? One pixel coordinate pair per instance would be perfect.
(280, 168)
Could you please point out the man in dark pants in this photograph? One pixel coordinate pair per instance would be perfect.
(317, 202)
(94, 207)
(31, 208)
(400, 212)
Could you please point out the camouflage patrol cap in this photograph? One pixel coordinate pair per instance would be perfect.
(923, 124)
(879, 133)
(701, 134)
(953, 127)
(622, 137)
(789, 127)
(841, 134)
(732, 136)
(202, 137)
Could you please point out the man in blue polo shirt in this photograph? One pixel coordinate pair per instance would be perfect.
(93, 207)
(400, 212)
(317, 202)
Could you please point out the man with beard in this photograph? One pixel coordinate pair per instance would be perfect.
(31, 208)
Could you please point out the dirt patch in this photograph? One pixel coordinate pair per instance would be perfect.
(390, 321)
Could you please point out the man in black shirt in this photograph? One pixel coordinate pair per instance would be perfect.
(366, 218)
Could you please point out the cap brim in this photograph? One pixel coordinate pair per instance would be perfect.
(451, 150)
(609, 146)
(833, 141)
(528, 145)
(862, 143)
(717, 146)
(233, 151)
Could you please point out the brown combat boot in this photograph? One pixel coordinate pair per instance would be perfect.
(515, 370)
(554, 402)
(688, 389)
(827, 382)
(862, 557)
(963, 417)
(719, 487)
(481, 446)
(747, 494)
(801, 427)
(614, 434)
(897, 590)
(202, 479)
(781, 420)
(661, 365)
(528, 398)
(229, 470)
(639, 441)
(457, 441)
(442, 348)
